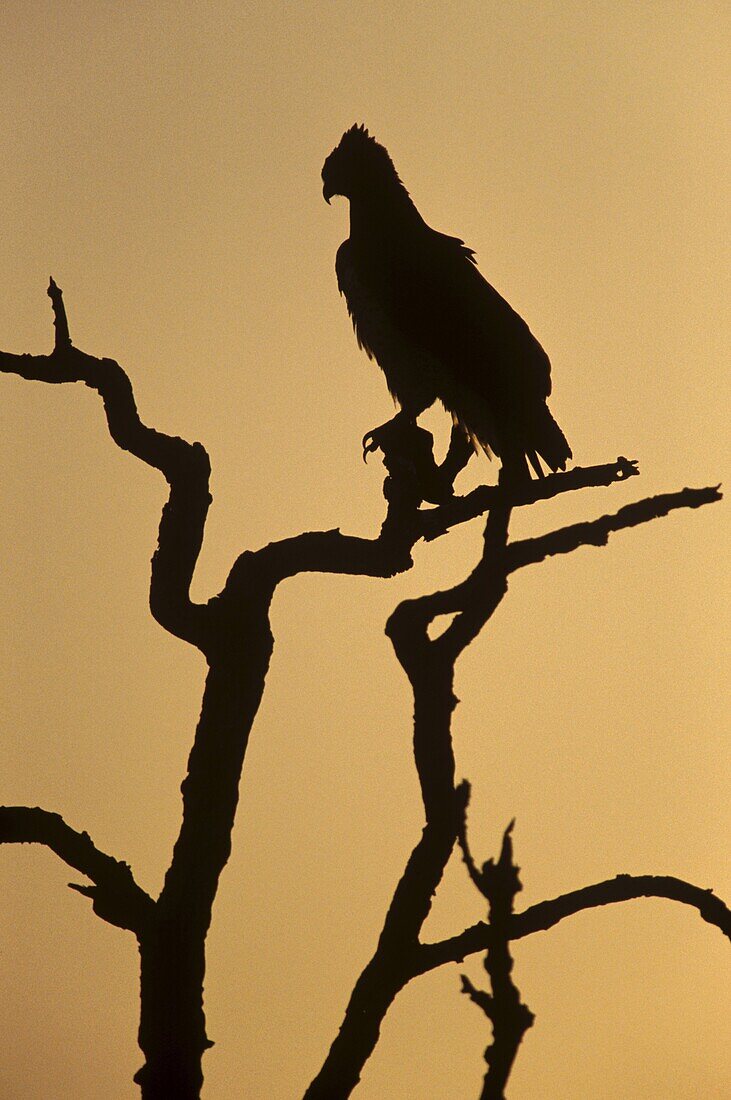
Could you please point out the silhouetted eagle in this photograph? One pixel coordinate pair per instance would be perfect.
(435, 326)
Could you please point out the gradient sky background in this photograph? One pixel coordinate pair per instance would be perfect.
(163, 161)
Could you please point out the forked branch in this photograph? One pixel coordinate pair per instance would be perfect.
(498, 882)
(116, 896)
(546, 914)
(429, 665)
(185, 466)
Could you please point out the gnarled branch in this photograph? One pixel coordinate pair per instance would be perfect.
(596, 532)
(499, 883)
(546, 914)
(436, 521)
(185, 466)
(116, 896)
(429, 665)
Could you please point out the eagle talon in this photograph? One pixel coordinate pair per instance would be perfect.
(387, 436)
(369, 447)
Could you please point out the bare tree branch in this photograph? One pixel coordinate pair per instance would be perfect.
(60, 321)
(116, 896)
(184, 465)
(406, 523)
(436, 521)
(499, 884)
(596, 532)
(546, 914)
(334, 552)
(474, 599)
(234, 635)
(464, 792)
(479, 997)
(429, 666)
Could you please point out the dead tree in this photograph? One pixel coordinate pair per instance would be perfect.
(233, 632)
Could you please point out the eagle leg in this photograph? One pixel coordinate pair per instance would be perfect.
(514, 469)
(408, 453)
(461, 450)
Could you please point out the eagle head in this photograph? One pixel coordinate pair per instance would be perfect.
(357, 164)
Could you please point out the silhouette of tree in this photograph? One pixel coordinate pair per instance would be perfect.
(233, 632)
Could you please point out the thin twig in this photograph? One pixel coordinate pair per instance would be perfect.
(499, 883)
(60, 322)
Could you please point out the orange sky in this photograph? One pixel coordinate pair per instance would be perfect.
(163, 163)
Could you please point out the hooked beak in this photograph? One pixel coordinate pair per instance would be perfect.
(327, 194)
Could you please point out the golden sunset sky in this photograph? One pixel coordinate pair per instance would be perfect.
(162, 161)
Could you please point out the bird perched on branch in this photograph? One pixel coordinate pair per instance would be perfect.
(435, 326)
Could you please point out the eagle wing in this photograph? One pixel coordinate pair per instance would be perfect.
(472, 350)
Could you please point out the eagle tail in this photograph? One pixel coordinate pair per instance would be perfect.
(478, 445)
(549, 442)
(535, 463)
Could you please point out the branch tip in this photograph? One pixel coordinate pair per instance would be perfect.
(627, 467)
(60, 321)
(87, 891)
(463, 792)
